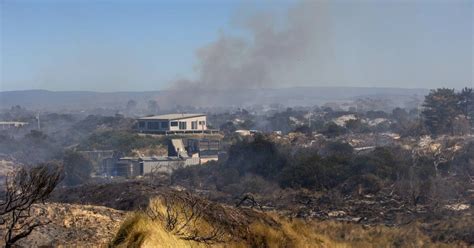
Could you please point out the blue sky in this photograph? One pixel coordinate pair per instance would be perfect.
(146, 45)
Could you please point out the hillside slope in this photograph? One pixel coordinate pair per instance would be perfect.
(54, 100)
(74, 225)
(178, 219)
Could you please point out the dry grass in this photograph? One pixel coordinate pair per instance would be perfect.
(256, 229)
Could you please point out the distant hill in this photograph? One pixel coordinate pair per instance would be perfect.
(53, 100)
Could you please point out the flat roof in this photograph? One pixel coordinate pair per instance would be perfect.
(14, 122)
(159, 158)
(171, 116)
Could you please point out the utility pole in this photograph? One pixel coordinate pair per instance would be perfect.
(38, 120)
(310, 114)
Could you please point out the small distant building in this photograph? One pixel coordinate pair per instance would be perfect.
(244, 132)
(11, 124)
(174, 123)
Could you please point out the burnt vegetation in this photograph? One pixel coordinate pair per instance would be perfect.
(404, 181)
(24, 188)
(365, 165)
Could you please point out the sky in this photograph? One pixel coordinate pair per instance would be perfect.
(154, 45)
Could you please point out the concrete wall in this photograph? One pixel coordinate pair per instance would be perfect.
(201, 122)
(165, 166)
(127, 168)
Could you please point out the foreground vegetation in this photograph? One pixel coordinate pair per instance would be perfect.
(258, 165)
(301, 182)
(181, 220)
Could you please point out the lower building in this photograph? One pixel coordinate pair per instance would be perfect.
(129, 167)
(160, 164)
(181, 153)
(12, 124)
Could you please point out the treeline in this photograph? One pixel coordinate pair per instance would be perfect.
(449, 112)
(444, 111)
(32, 148)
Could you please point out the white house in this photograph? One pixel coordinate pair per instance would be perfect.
(173, 123)
(12, 124)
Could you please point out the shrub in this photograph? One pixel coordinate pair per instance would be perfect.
(77, 168)
(260, 157)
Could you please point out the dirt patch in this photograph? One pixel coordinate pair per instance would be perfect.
(74, 225)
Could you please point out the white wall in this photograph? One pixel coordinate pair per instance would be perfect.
(188, 123)
(201, 124)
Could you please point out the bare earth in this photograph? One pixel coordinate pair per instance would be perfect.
(75, 225)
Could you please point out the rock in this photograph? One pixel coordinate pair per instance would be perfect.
(356, 219)
(457, 207)
(336, 213)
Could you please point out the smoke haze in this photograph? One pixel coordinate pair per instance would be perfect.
(135, 46)
(271, 50)
(324, 43)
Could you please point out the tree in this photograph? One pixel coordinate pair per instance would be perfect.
(260, 157)
(466, 103)
(338, 149)
(281, 121)
(153, 107)
(77, 168)
(302, 173)
(461, 125)
(23, 188)
(304, 129)
(400, 115)
(440, 108)
(228, 127)
(131, 105)
(381, 162)
(356, 126)
(332, 130)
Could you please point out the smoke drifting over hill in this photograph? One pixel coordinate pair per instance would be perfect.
(340, 43)
(416, 44)
(275, 46)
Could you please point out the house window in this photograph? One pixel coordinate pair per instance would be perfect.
(153, 125)
(194, 125)
(164, 125)
(182, 125)
(141, 124)
(202, 123)
(174, 124)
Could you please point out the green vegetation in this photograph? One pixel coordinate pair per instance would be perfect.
(445, 110)
(77, 168)
(122, 141)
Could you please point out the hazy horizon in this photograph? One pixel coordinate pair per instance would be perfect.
(268, 88)
(141, 45)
